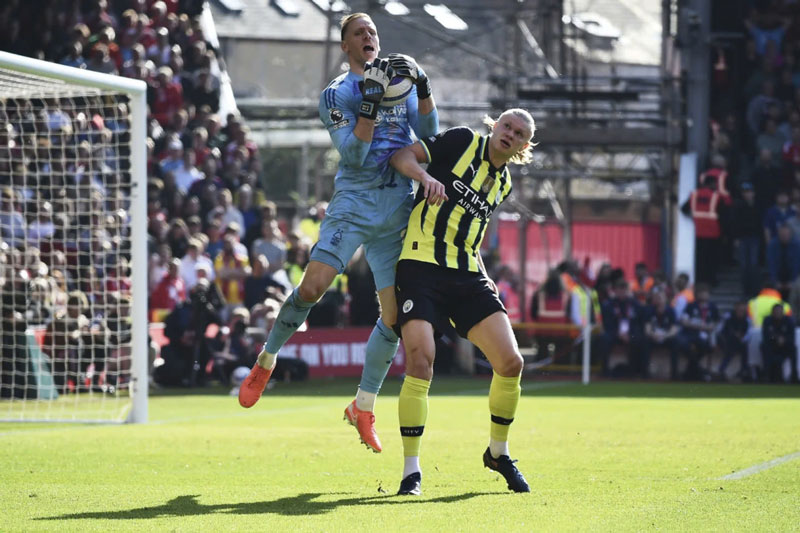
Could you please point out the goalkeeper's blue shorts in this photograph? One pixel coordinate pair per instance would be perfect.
(374, 218)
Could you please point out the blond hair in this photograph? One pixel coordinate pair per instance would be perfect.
(525, 155)
(350, 18)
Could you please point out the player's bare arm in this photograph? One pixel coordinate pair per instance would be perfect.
(407, 161)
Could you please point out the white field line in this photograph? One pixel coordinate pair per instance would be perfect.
(755, 469)
(176, 420)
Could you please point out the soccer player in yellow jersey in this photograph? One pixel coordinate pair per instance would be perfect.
(440, 277)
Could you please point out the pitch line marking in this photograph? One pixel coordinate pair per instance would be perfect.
(163, 421)
(755, 469)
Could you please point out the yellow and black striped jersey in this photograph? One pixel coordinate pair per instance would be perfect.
(450, 235)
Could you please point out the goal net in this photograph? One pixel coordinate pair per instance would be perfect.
(73, 321)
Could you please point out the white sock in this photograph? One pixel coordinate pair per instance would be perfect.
(411, 465)
(266, 359)
(365, 400)
(498, 448)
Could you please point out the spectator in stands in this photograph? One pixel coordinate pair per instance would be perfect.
(251, 215)
(705, 206)
(621, 325)
(232, 268)
(74, 57)
(205, 90)
(783, 259)
(232, 346)
(771, 139)
(718, 172)
(734, 338)
(296, 260)
(187, 174)
(230, 214)
(791, 150)
(12, 222)
(171, 290)
(188, 351)
(13, 350)
(214, 233)
(766, 28)
(660, 330)
(260, 283)
(65, 339)
(642, 283)
(100, 60)
(507, 287)
(757, 108)
(167, 96)
(699, 321)
(778, 344)
(746, 228)
(178, 237)
(767, 176)
(309, 226)
(189, 263)
(777, 215)
(271, 245)
(174, 158)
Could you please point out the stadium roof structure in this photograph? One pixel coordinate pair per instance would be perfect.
(284, 20)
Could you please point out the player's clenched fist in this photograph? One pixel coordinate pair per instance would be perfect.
(377, 76)
(433, 190)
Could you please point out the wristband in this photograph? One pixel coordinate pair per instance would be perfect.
(423, 88)
(368, 110)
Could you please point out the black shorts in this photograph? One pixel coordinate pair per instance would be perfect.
(437, 294)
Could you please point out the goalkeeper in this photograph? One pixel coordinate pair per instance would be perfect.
(370, 206)
(440, 276)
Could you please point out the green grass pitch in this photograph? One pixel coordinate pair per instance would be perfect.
(606, 457)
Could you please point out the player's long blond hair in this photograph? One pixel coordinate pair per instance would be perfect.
(525, 155)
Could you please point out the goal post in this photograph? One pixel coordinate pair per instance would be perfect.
(73, 138)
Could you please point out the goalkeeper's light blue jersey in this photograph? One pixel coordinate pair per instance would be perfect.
(364, 165)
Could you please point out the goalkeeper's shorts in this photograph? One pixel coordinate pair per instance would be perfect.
(374, 218)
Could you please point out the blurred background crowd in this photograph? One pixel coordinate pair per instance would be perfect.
(222, 256)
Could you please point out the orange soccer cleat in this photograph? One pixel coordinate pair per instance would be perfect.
(253, 385)
(364, 422)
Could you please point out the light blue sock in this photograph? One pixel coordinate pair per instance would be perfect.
(381, 349)
(293, 313)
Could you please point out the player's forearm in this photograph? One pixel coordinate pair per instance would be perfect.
(355, 148)
(405, 162)
(428, 118)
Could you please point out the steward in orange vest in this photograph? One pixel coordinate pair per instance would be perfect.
(704, 204)
(719, 177)
(551, 305)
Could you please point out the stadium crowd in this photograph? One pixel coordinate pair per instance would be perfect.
(221, 259)
(649, 312)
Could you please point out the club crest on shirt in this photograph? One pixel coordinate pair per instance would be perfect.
(337, 237)
(487, 185)
(407, 306)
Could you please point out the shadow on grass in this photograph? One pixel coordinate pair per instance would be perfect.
(302, 504)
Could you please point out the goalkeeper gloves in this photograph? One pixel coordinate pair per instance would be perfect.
(377, 76)
(407, 66)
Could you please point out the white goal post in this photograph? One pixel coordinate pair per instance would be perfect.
(73, 231)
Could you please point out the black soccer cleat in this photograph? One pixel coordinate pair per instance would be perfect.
(410, 486)
(505, 467)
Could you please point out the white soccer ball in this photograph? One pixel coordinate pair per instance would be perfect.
(239, 374)
(398, 91)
